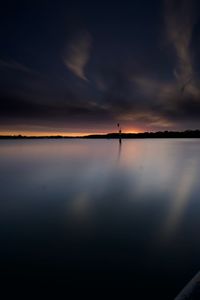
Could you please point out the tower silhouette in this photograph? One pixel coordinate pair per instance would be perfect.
(119, 132)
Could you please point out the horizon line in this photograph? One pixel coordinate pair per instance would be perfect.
(116, 134)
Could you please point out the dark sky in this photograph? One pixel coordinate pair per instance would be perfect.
(82, 66)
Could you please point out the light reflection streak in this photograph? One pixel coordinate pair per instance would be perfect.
(181, 197)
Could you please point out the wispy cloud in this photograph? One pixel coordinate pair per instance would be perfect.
(14, 65)
(78, 53)
(179, 21)
(178, 97)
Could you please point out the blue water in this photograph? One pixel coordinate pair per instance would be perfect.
(97, 213)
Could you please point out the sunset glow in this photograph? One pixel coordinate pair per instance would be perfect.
(62, 133)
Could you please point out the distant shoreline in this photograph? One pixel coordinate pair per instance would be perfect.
(143, 135)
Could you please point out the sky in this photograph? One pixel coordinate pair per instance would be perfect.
(81, 67)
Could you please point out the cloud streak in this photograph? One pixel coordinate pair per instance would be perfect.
(176, 99)
(77, 54)
(180, 21)
(14, 65)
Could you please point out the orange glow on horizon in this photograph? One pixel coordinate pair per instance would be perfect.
(43, 133)
(61, 133)
(131, 130)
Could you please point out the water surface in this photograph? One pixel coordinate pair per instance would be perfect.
(102, 214)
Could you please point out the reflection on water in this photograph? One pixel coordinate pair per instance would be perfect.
(101, 211)
(120, 149)
(182, 194)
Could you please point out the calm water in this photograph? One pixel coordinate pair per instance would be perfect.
(94, 213)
